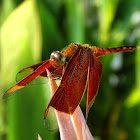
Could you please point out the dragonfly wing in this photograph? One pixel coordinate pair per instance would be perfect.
(27, 79)
(41, 79)
(28, 70)
(34, 67)
(70, 91)
(95, 72)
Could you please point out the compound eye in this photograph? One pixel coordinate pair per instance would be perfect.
(57, 58)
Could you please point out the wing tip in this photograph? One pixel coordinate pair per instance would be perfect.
(4, 95)
(11, 91)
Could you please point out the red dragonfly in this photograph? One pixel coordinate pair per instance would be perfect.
(75, 64)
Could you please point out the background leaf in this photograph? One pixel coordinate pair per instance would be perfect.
(21, 46)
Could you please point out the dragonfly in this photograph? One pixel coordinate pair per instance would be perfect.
(76, 64)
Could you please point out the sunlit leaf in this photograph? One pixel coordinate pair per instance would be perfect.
(21, 46)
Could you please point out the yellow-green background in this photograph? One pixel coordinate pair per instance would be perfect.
(32, 29)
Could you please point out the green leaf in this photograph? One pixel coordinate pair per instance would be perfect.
(21, 47)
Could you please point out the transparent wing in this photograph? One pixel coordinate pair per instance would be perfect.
(22, 83)
(41, 79)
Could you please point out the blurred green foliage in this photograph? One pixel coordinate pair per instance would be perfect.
(31, 30)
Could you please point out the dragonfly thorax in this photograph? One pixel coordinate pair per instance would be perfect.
(57, 59)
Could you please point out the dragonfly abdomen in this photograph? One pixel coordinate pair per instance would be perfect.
(98, 52)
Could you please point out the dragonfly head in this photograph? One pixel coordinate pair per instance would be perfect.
(57, 59)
